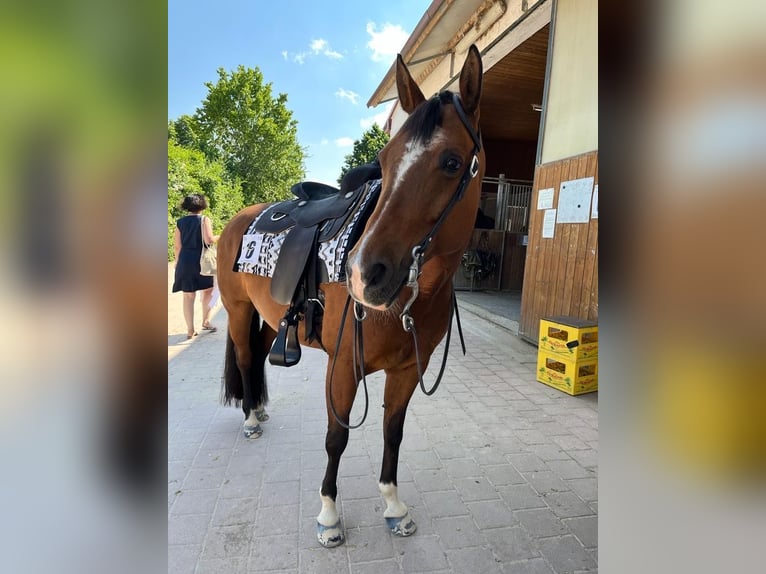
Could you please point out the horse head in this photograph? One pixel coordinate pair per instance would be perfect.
(431, 181)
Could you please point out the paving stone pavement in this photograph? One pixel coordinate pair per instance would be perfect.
(499, 471)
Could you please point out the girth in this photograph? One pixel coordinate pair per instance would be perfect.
(318, 214)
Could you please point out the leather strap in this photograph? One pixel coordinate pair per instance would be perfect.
(296, 248)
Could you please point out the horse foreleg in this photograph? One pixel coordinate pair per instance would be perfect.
(329, 528)
(399, 388)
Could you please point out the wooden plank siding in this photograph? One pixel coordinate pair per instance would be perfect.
(561, 274)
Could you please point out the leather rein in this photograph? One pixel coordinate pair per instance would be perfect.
(408, 322)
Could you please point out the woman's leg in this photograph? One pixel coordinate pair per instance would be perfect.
(207, 296)
(189, 311)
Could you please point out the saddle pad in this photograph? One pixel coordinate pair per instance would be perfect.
(260, 251)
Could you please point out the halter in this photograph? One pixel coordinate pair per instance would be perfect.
(408, 323)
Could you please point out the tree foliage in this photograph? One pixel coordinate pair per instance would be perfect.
(239, 148)
(252, 133)
(365, 149)
(184, 131)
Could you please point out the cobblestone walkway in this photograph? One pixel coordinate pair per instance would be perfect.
(499, 471)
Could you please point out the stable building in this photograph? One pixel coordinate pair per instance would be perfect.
(538, 226)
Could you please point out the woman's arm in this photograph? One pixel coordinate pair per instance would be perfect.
(177, 244)
(207, 225)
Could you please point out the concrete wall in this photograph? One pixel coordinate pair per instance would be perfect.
(571, 120)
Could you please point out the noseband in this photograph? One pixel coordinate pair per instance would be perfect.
(471, 170)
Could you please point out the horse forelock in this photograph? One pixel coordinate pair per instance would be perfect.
(424, 120)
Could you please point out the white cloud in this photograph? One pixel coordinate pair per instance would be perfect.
(344, 142)
(379, 118)
(352, 97)
(318, 47)
(321, 46)
(386, 43)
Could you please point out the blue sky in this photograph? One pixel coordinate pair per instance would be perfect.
(328, 57)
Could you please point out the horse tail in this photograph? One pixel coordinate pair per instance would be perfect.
(232, 391)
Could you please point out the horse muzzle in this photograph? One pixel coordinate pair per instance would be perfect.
(375, 284)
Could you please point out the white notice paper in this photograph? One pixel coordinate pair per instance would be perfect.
(545, 198)
(574, 200)
(549, 222)
(594, 209)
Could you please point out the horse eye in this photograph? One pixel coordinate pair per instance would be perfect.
(452, 164)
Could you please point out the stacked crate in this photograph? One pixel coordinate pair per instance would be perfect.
(567, 355)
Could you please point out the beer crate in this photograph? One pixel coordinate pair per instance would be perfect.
(571, 377)
(575, 339)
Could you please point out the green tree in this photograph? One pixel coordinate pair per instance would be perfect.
(252, 133)
(365, 149)
(184, 132)
(189, 171)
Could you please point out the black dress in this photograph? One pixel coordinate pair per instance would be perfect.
(188, 278)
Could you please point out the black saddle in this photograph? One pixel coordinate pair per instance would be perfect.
(317, 214)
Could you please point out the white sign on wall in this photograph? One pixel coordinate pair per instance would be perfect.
(574, 200)
(545, 198)
(549, 223)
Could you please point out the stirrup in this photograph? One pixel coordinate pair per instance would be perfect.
(286, 351)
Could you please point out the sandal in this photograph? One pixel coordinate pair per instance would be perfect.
(189, 336)
(210, 328)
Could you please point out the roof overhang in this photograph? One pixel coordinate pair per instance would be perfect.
(447, 28)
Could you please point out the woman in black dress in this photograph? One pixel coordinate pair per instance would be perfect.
(188, 249)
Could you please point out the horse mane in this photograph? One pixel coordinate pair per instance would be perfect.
(427, 116)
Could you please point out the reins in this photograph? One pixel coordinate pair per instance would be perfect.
(408, 322)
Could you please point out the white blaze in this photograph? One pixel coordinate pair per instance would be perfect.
(414, 149)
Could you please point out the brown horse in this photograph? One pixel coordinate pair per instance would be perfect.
(400, 270)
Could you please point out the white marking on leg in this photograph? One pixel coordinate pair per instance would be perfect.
(251, 426)
(394, 507)
(329, 514)
(329, 529)
(252, 419)
(397, 517)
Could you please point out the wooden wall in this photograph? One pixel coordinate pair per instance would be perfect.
(561, 273)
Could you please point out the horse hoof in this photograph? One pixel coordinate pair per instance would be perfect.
(253, 432)
(330, 536)
(261, 416)
(402, 526)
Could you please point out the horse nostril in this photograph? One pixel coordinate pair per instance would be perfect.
(377, 274)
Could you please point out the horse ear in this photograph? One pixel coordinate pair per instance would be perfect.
(410, 95)
(470, 80)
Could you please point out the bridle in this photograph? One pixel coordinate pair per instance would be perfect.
(408, 323)
(471, 170)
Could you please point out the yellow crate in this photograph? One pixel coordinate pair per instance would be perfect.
(573, 338)
(572, 377)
